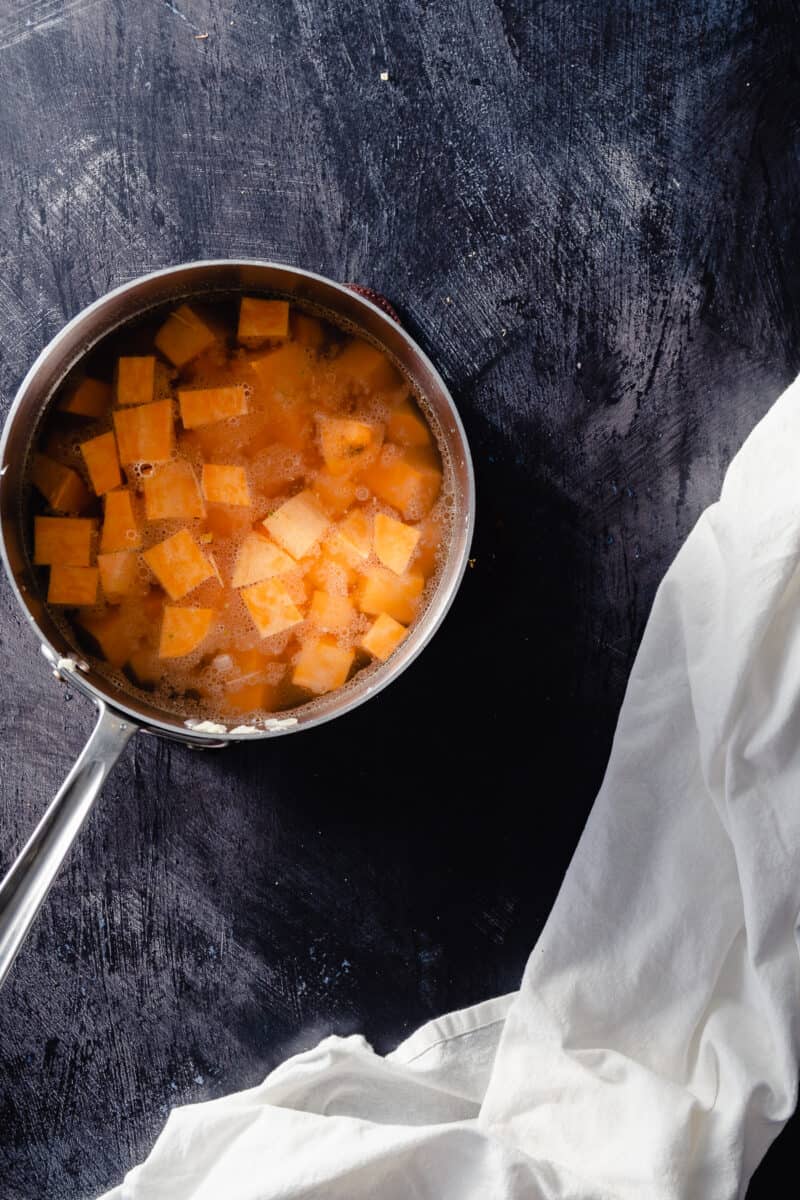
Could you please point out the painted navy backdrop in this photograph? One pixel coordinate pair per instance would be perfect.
(586, 212)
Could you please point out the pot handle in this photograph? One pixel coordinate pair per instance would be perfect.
(29, 879)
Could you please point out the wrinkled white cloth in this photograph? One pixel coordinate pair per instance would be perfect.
(651, 1052)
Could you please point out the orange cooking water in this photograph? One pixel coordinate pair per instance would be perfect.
(240, 506)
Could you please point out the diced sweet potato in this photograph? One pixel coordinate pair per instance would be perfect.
(145, 432)
(364, 368)
(102, 462)
(290, 422)
(271, 607)
(347, 445)
(172, 493)
(213, 367)
(250, 697)
(227, 522)
(111, 633)
(222, 440)
(179, 564)
(259, 558)
(408, 484)
(88, 398)
(62, 488)
(63, 540)
(253, 661)
(183, 336)
(383, 636)
(322, 665)
(274, 469)
(74, 586)
(120, 527)
(119, 575)
(407, 427)
(330, 572)
(308, 331)
(330, 611)
(287, 371)
(353, 535)
(183, 629)
(298, 524)
(136, 379)
(383, 591)
(206, 406)
(395, 542)
(262, 319)
(226, 485)
(335, 492)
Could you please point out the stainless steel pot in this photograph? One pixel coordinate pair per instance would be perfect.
(120, 714)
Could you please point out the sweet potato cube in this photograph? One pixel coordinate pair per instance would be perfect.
(250, 697)
(136, 379)
(259, 558)
(222, 440)
(407, 427)
(179, 564)
(346, 444)
(308, 331)
(398, 595)
(383, 636)
(102, 462)
(183, 629)
(253, 661)
(72, 585)
(183, 336)
(226, 485)
(335, 492)
(330, 611)
(62, 488)
(395, 542)
(63, 540)
(322, 665)
(89, 398)
(353, 535)
(364, 368)
(120, 528)
(286, 371)
(111, 632)
(298, 524)
(119, 575)
(331, 572)
(271, 606)
(205, 406)
(145, 432)
(172, 493)
(409, 486)
(227, 522)
(291, 424)
(262, 319)
(275, 469)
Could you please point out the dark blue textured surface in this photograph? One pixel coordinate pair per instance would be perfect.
(586, 212)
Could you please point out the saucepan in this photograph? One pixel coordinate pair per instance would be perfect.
(121, 715)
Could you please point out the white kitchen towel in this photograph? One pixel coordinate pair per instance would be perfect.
(652, 1050)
